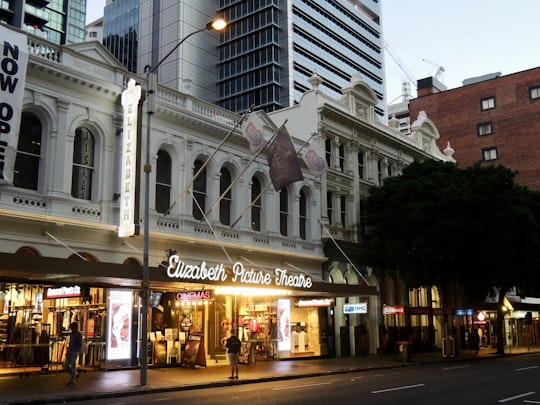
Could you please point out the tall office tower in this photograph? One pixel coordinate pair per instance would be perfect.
(59, 21)
(121, 31)
(263, 58)
(272, 47)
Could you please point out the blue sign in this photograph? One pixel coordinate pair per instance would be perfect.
(464, 312)
(360, 308)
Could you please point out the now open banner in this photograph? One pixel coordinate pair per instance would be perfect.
(13, 61)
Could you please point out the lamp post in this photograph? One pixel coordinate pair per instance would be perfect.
(151, 84)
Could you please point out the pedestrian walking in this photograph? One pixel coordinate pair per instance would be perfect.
(233, 345)
(72, 354)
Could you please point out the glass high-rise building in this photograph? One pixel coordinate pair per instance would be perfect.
(121, 31)
(59, 21)
(272, 47)
(265, 55)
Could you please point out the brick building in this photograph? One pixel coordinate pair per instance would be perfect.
(493, 119)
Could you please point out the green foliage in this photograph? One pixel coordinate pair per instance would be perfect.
(474, 227)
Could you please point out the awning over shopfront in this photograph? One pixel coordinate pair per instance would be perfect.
(22, 268)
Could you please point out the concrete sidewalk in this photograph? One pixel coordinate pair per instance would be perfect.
(51, 388)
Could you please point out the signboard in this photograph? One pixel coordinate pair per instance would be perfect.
(315, 302)
(194, 353)
(119, 336)
(63, 292)
(13, 61)
(393, 310)
(464, 312)
(195, 295)
(130, 102)
(284, 324)
(358, 308)
(179, 269)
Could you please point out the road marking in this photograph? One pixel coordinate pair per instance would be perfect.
(526, 368)
(405, 387)
(454, 368)
(163, 399)
(299, 386)
(531, 402)
(516, 397)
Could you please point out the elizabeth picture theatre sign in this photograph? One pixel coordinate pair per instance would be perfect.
(14, 58)
(237, 274)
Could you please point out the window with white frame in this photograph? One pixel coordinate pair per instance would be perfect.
(225, 180)
(26, 171)
(534, 92)
(342, 158)
(163, 181)
(361, 165)
(487, 103)
(256, 207)
(303, 215)
(343, 210)
(199, 190)
(283, 211)
(329, 206)
(484, 128)
(83, 164)
(328, 152)
(489, 154)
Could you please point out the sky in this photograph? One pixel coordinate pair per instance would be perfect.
(467, 38)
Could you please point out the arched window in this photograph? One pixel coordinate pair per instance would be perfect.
(256, 208)
(225, 203)
(283, 211)
(83, 164)
(199, 191)
(303, 215)
(163, 181)
(26, 172)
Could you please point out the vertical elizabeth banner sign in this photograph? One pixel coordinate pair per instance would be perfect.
(14, 58)
(130, 102)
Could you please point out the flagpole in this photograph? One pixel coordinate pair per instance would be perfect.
(342, 252)
(186, 188)
(267, 186)
(244, 170)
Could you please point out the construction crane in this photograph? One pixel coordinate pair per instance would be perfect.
(405, 85)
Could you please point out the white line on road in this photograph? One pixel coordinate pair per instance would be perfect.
(531, 402)
(516, 397)
(453, 368)
(526, 368)
(299, 386)
(405, 387)
(163, 399)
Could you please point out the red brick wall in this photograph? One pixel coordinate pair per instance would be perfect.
(515, 122)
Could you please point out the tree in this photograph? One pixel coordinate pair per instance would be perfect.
(443, 226)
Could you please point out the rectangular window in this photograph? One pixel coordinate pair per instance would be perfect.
(361, 165)
(489, 154)
(484, 129)
(487, 103)
(534, 92)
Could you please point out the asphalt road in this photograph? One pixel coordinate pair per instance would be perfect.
(506, 380)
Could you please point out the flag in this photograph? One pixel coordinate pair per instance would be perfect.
(284, 165)
(13, 62)
(315, 160)
(254, 132)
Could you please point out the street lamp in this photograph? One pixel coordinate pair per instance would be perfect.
(151, 84)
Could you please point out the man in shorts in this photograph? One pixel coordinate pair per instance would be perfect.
(233, 345)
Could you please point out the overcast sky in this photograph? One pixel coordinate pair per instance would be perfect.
(467, 38)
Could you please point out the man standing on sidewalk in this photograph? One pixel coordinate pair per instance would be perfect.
(74, 348)
(233, 345)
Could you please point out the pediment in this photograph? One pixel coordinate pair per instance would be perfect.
(95, 50)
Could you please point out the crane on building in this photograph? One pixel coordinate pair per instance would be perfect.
(405, 84)
(411, 80)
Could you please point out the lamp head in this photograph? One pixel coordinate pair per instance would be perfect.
(217, 24)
